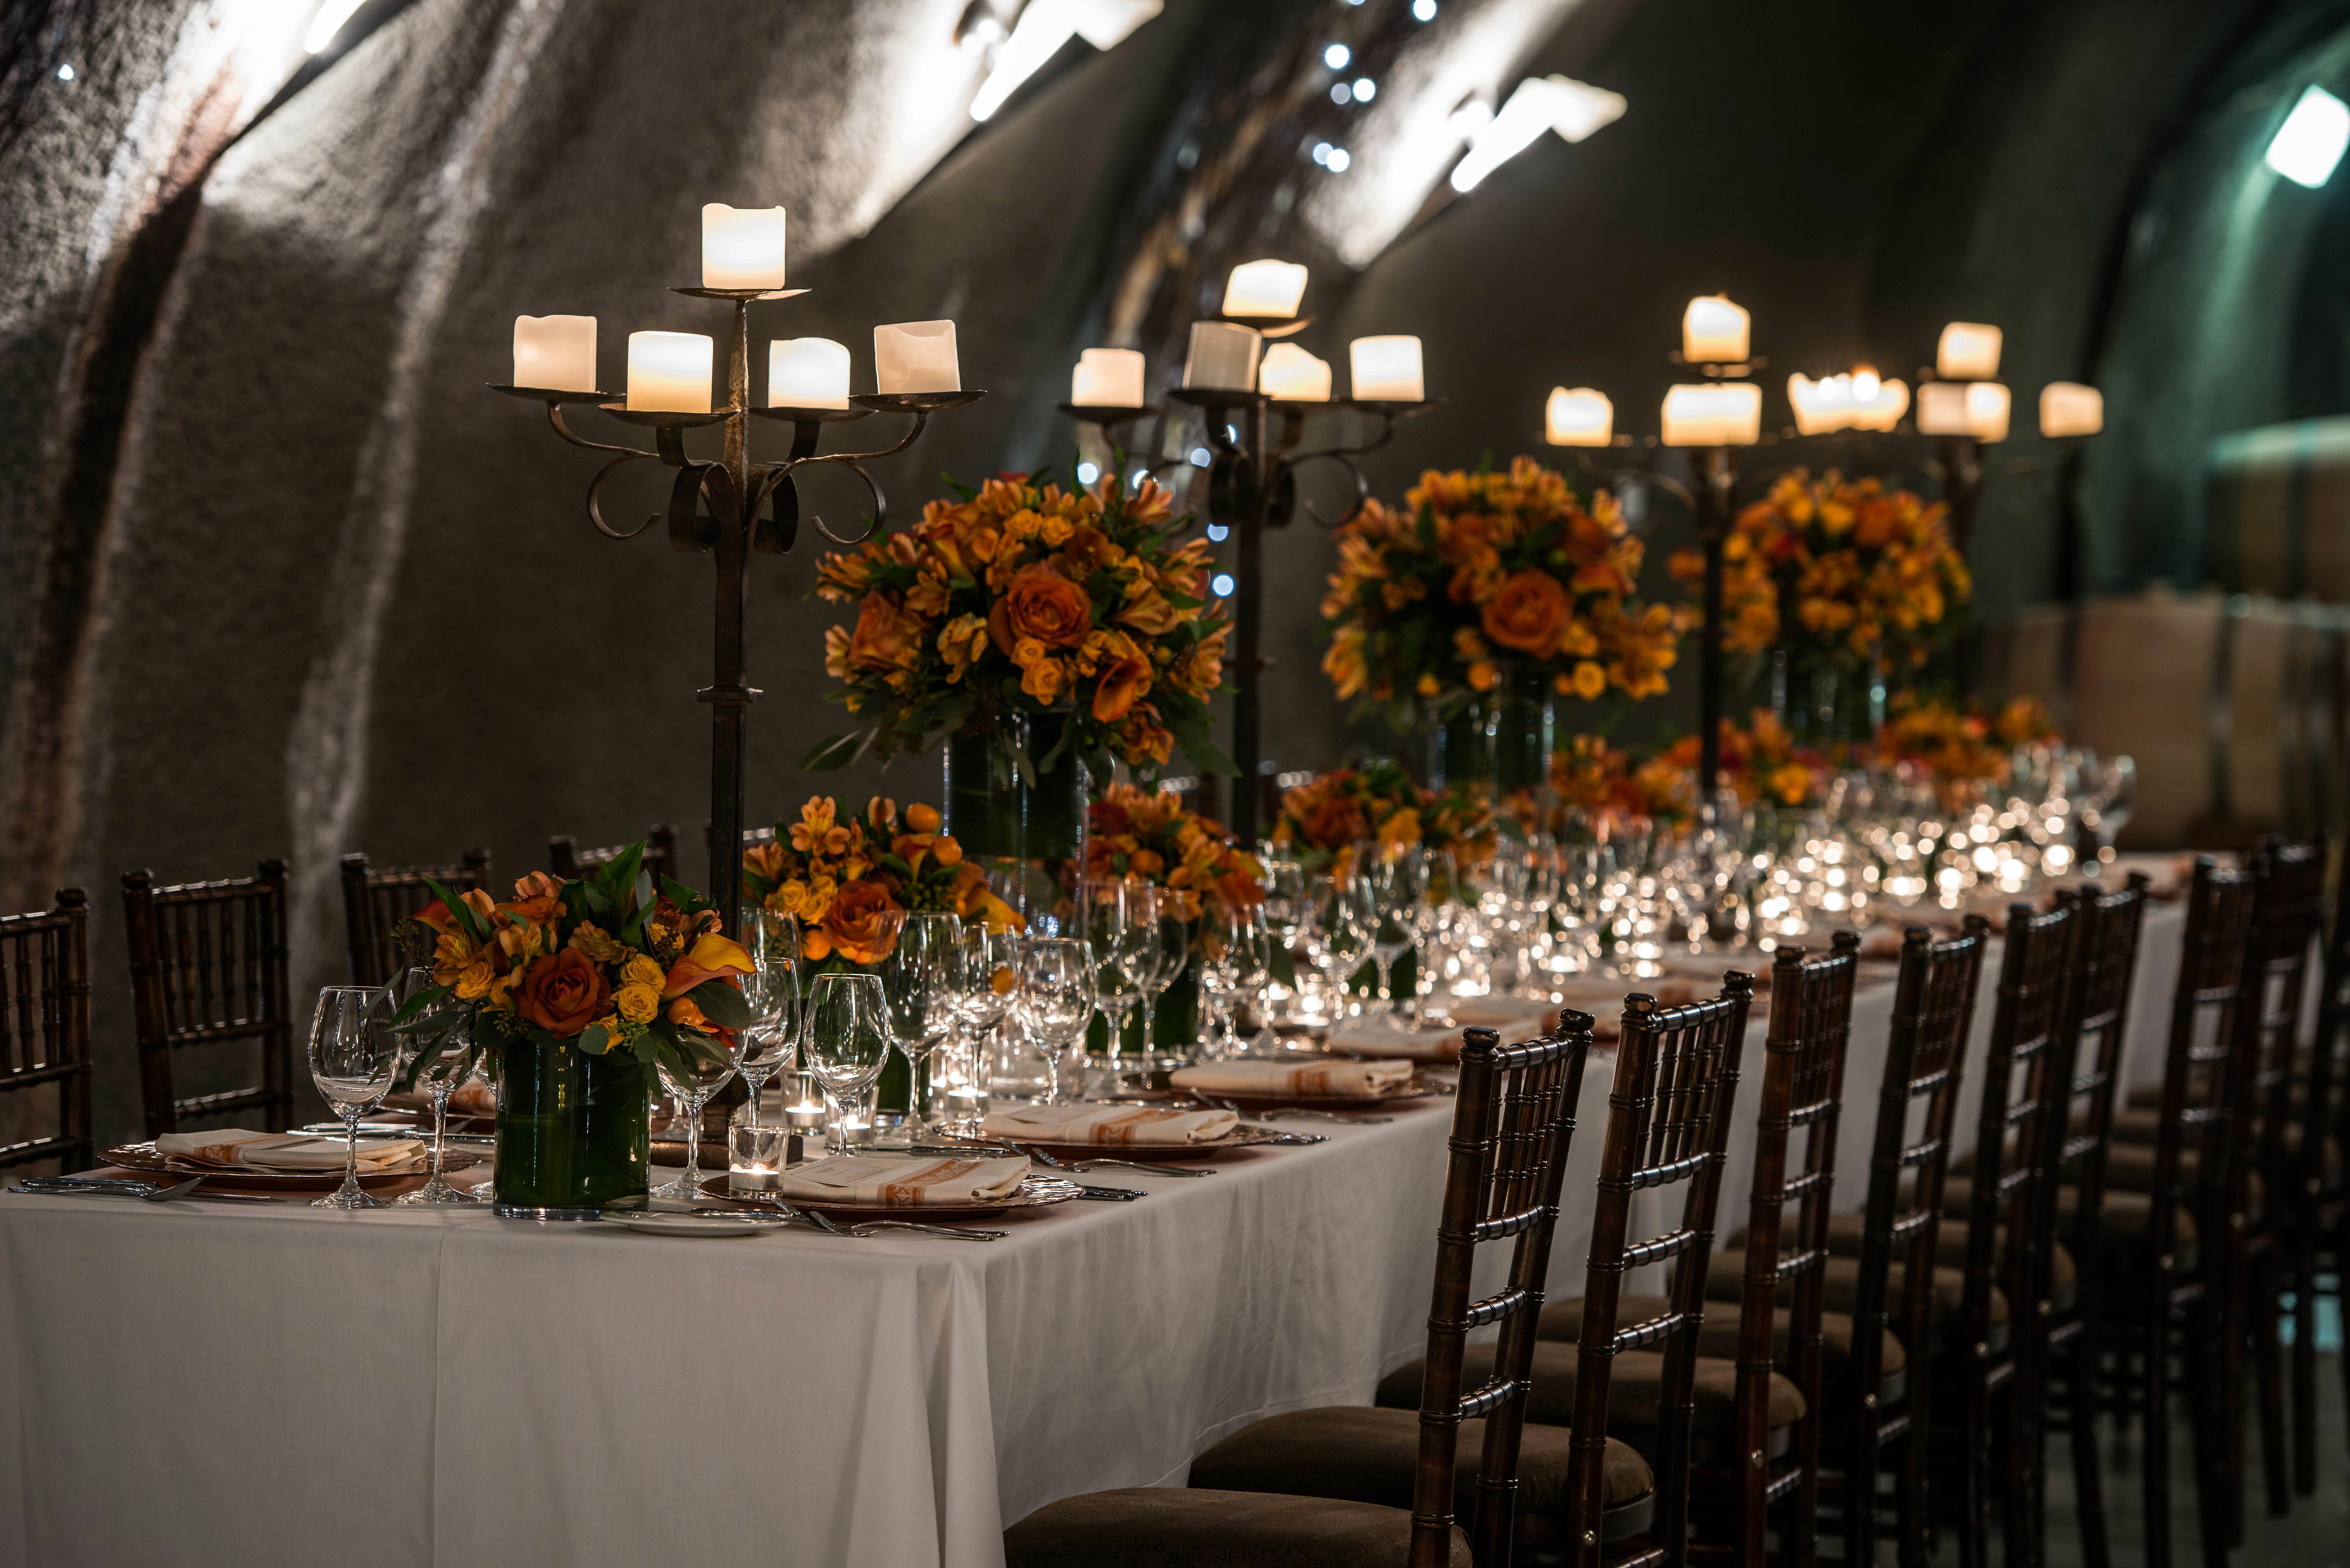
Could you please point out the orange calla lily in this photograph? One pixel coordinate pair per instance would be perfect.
(711, 957)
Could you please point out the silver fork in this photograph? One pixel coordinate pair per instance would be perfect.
(1299, 1111)
(831, 1226)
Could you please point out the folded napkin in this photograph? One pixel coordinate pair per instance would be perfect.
(473, 1098)
(1434, 1044)
(893, 1181)
(1296, 1079)
(1491, 1011)
(1107, 1123)
(234, 1149)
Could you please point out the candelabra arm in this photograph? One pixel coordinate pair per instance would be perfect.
(775, 537)
(554, 418)
(1664, 481)
(594, 513)
(851, 458)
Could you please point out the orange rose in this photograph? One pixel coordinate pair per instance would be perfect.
(863, 923)
(1124, 680)
(1528, 612)
(1040, 603)
(884, 638)
(562, 993)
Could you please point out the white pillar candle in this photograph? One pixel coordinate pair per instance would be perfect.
(1723, 413)
(1969, 352)
(1223, 356)
(1879, 406)
(1579, 418)
(1107, 378)
(1986, 411)
(1386, 369)
(916, 357)
(1294, 375)
(808, 373)
(1942, 409)
(741, 247)
(1822, 406)
(555, 352)
(669, 372)
(1714, 332)
(2069, 409)
(1266, 288)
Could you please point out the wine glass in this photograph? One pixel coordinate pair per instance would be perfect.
(450, 1065)
(1396, 879)
(1430, 920)
(1055, 1003)
(691, 1079)
(845, 1037)
(1235, 950)
(985, 974)
(773, 990)
(2113, 800)
(1339, 921)
(1121, 923)
(1171, 952)
(915, 978)
(354, 1055)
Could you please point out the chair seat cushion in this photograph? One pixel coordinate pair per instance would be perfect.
(2125, 1219)
(1840, 1290)
(1176, 1527)
(1373, 1456)
(1718, 1338)
(1635, 1395)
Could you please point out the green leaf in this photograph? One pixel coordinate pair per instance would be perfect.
(429, 997)
(470, 921)
(595, 1039)
(646, 1048)
(721, 1004)
(835, 752)
(1210, 758)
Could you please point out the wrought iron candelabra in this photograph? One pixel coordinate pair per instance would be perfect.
(752, 507)
(1253, 444)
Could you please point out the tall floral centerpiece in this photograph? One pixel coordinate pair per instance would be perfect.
(579, 992)
(1848, 579)
(1041, 632)
(1480, 603)
(1146, 834)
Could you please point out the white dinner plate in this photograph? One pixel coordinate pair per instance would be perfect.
(746, 1223)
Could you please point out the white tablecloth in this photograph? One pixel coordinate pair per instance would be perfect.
(208, 1384)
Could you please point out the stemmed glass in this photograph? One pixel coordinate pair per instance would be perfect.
(354, 1056)
(845, 1038)
(450, 1067)
(1169, 953)
(1055, 1002)
(1339, 921)
(1284, 912)
(773, 990)
(703, 1073)
(916, 978)
(1121, 923)
(984, 975)
(1397, 878)
(1430, 919)
(1235, 952)
(2112, 786)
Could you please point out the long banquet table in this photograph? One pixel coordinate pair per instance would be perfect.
(206, 1384)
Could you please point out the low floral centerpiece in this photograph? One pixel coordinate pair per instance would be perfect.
(1481, 600)
(1146, 834)
(848, 886)
(1376, 800)
(1934, 741)
(578, 992)
(1598, 789)
(1762, 764)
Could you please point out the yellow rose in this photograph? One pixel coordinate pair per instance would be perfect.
(473, 981)
(636, 1003)
(643, 970)
(592, 942)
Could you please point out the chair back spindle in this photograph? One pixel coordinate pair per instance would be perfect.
(45, 1027)
(568, 862)
(375, 902)
(208, 967)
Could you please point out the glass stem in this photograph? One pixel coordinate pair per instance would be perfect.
(1386, 996)
(441, 1093)
(350, 1151)
(693, 1145)
(1149, 1026)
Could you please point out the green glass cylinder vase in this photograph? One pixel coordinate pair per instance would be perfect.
(574, 1131)
(1020, 834)
(1501, 740)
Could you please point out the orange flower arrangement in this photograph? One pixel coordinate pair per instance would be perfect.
(2024, 721)
(1845, 569)
(1763, 761)
(1322, 819)
(849, 885)
(1024, 596)
(1952, 748)
(1479, 571)
(1601, 783)
(1147, 834)
(581, 963)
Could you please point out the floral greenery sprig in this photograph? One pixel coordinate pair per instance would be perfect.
(1147, 834)
(579, 963)
(1025, 597)
(850, 885)
(1322, 819)
(1844, 569)
(1478, 571)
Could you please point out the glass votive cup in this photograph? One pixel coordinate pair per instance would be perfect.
(756, 1156)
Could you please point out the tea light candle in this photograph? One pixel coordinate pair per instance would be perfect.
(1107, 378)
(1294, 375)
(556, 352)
(916, 357)
(1969, 352)
(808, 373)
(1579, 418)
(1727, 413)
(2069, 409)
(1386, 369)
(669, 372)
(1223, 356)
(1266, 288)
(741, 247)
(1714, 332)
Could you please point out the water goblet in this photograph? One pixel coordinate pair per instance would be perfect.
(1339, 921)
(1121, 923)
(698, 1069)
(844, 1039)
(354, 1055)
(1395, 877)
(984, 977)
(1170, 954)
(1235, 950)
(447, 1053)
(917, 980)
(1055, 1004)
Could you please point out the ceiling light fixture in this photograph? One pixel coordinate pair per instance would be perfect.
(2310, 142)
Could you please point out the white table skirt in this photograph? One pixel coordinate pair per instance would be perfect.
(212, 1384)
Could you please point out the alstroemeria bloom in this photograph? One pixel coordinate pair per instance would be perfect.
(711, 957)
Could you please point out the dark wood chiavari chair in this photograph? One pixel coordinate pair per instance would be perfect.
(2321, 1187)
(207, 969)
(375, 902)
(45, 1025)
(1933, 1009)
(1513, 1125)
(568, 861)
